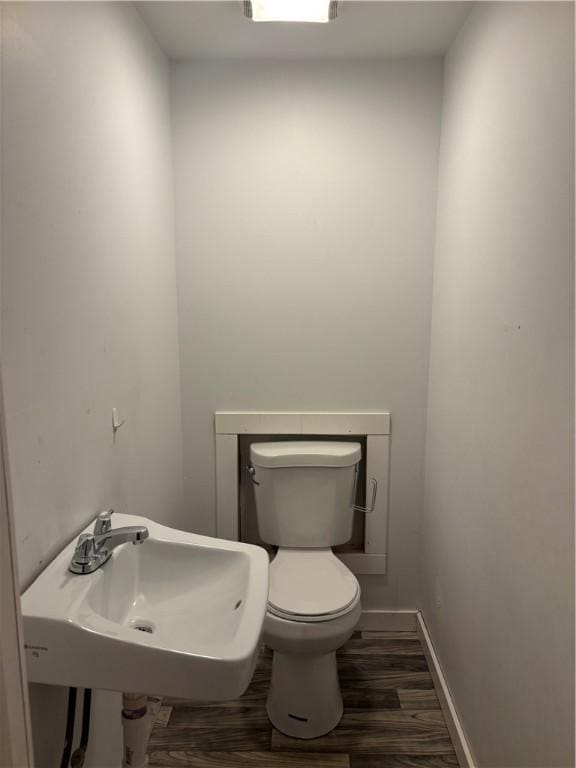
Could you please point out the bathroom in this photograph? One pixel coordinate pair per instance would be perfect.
(217, 233)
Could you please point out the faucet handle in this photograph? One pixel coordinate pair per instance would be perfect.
(103, 522)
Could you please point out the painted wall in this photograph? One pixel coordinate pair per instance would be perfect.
(89, 318)
(89, 293)
(498, 531)
(306, 197)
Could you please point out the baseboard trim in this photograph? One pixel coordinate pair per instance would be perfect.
(388, 621)
(457, 734)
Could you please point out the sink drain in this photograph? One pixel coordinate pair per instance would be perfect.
(142, 626)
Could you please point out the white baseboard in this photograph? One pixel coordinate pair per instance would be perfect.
(388, 621)
(453, 723)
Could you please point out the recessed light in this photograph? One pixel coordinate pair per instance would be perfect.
(315, 11)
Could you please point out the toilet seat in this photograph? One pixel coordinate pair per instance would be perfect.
(311, 585)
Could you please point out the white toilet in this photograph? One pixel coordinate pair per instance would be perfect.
(305, 502)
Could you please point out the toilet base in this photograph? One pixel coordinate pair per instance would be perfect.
(304, 700)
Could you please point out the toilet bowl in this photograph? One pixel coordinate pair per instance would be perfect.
(304, 493)
(305, 627)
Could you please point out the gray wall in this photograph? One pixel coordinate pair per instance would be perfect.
(306, 197)
(498, 531)
(89, 317)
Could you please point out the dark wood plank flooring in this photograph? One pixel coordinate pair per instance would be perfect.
(392, 718)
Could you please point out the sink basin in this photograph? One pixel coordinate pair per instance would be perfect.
(179, 615)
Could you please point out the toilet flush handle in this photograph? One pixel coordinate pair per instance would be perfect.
(252, 473)
(372, 506)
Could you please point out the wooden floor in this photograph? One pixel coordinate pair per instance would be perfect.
(392, 718)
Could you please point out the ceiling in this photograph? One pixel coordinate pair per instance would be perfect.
(201, 29)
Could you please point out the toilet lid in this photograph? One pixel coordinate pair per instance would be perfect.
(310, 585)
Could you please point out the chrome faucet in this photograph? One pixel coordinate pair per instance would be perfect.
(94, 549)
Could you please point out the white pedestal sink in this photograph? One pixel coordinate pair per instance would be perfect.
(179, 615)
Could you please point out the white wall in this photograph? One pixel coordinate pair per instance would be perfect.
(498, 533)
(89, 317)
(89, 294)
(305, 216)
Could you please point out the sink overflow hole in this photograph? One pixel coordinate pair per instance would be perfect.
(238, 604)
(142, 627)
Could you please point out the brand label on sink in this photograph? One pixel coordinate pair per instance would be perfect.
(35, 650)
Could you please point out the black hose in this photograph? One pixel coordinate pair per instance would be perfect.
(69, 737)
(80, 753)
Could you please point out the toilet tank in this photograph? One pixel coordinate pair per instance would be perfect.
(305, 491)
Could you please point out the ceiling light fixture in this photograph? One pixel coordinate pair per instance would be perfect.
(317, 11)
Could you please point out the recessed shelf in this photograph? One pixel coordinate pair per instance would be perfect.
(373, 425)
